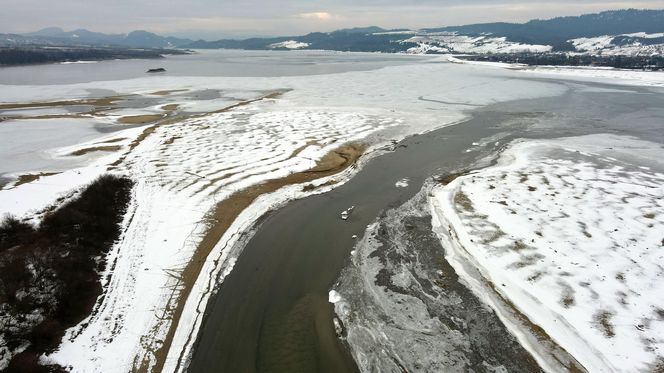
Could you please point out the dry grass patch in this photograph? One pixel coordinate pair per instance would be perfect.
(170, 107)
(167, 92)
(140, 119)
(24, 179)
(109, 148)
(603, 321)
(112, 141)
(461, 199)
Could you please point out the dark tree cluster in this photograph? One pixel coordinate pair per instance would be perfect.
(37, 54)
(49, 274)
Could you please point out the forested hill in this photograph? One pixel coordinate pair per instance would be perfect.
(555, 34)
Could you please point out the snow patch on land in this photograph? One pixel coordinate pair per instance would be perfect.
(452, 42)
(570, 232)
(615, 76)
(289, 44)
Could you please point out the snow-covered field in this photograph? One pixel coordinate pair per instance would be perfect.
(289, 44)
(185, 167)
(636, 44)
(615, 76)
(589, 74)
(451, 42)
(571, 232)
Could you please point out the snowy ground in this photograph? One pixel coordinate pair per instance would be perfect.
(571, 233)
(636, 44)
(590, 74)
(451, 42)
(289, 44)
(185, 167)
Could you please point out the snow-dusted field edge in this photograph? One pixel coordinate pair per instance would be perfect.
(570, 232)
(582, 73)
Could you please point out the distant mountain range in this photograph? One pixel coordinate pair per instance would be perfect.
(58, 37)
(628, 32)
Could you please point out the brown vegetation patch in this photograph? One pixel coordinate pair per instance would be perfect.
(113, 140)
(170, 107)
(221, 218)
(109, 148)
(446, 179)
(535, 276)
(312, 187)
(96, 102)
(167, 92)
(603, 320)
(461, 199)
(24, 179)
(494, 236)
(140, 119)
(526, 261)
(519, 246)
(567, 296)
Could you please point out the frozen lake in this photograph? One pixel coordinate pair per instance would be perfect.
(221, 123)
(212, 63)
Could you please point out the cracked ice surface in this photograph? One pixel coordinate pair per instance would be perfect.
(574, 238)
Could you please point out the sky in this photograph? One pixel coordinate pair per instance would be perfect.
(214, 19)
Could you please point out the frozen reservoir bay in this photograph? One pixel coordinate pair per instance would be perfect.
(234, 256)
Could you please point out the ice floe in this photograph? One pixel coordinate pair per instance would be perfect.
(402, 183)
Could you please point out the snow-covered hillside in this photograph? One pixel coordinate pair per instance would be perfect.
(289, 44)
(573, 238)
(452, 42)
(636, 44)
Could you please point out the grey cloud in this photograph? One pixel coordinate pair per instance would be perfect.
(215, 18)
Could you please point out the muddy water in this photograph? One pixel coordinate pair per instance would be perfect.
(271, 313)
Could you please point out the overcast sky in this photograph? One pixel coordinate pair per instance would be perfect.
(212, 19)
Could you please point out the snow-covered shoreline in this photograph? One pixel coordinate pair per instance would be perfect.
(536, 226)
(185, 168)
(582, 73)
